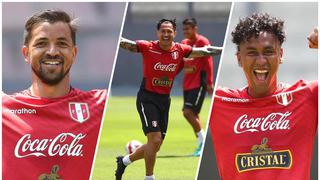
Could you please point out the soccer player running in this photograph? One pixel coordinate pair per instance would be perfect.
(162, 61)
(198, 78)
(265, 130)
(50, 130)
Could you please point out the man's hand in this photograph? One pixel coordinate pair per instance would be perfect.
(313, 39)
(210, 89)
(205, 51)
(128, 45)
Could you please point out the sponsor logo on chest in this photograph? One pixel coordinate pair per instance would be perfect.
(262, 157)
(64, 144)
(272, 121)
(20, 111)
(79, 111)
(165, 67)
(163, 82)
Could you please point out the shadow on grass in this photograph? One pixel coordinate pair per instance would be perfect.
(175, 156)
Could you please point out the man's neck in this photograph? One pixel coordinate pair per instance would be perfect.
(40, 89)
(193, 38)
(262, 92)
(165, 47)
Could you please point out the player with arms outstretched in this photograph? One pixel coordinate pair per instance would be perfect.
(50, 130)
(265, 130)
(162, 61)
(198, 78)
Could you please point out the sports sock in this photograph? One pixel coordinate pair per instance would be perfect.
(126, 160)
(200, 136)
(152, 177)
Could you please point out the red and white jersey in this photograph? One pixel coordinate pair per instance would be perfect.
(161, 67)
(194, 70)
(265, 138)
(56, 137)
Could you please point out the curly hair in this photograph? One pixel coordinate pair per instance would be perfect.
(252, 26)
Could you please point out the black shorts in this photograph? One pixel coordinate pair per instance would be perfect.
(193, 99)
(153, 109)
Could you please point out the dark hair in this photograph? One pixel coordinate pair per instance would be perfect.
(51, 16)
(256, 23)
(190, 21)
(172, 21)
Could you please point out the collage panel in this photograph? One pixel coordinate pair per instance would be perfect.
(268, 79)
(57, 62)
(140, 121)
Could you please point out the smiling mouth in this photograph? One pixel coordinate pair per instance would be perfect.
(51, 62)
(260, 74)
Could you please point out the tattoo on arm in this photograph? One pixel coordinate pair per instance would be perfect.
(205, 51)
(129, 45)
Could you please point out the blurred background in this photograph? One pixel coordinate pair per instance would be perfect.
(97, 41)
(140, 23)
(299, 61)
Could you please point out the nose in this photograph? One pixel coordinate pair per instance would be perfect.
(53, 50)
(261, 60)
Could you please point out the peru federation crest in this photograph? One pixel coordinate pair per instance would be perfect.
(284, 98)
(79, 111)
(175, 55)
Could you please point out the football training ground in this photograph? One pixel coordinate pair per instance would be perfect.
(122, 124)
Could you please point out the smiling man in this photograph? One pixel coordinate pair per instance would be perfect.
(50, 130)
(162, 61)
(265, 130)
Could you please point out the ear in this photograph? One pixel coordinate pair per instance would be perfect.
(75, 53)
(281, 54)
(239, 59)
(174, 34)
(25, 53)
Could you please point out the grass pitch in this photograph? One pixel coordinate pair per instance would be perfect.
(122, 124)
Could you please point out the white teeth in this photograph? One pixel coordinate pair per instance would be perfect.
(51, 62)
(260, 71)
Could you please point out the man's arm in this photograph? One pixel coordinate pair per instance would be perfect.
(129, 45)
(205, 51)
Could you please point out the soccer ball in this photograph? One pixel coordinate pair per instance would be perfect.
(132, 146)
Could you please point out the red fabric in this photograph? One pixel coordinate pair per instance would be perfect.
(39, 133)
(193, 68)
(161, 67)
(239, 122)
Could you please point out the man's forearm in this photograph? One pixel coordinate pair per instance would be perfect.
(128, 45)
(205, 51)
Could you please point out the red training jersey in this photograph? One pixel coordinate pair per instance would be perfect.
(50, 138)
(198, 71)
(265, 138)
(161, 67)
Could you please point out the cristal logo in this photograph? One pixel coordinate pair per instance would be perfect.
(57, 146)
(165, 67)
(273, 121)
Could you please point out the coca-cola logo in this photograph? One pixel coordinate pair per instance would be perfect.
(273, 121)
(63, 144)
(165, 67)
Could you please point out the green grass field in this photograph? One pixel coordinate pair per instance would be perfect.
(122, 124)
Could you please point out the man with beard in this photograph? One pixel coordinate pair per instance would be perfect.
(197, 79)
(162, 61)
(50, 130)
(265, 130)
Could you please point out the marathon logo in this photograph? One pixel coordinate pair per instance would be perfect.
(20, 111)
(163, 82)
(262, 157)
